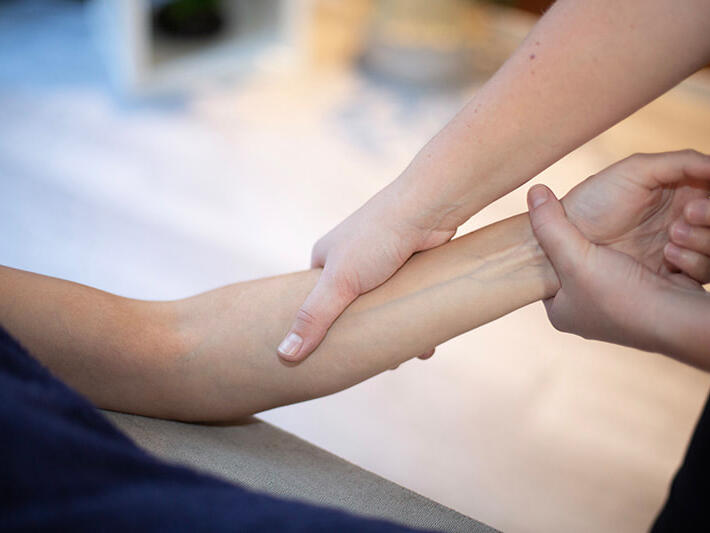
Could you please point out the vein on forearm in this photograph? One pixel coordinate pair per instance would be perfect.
(520, 262)
(437, 295)
(213, 356)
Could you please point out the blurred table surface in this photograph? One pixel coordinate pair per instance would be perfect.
(258, 456)
(514, 424)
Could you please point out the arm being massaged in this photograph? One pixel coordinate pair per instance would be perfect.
(212, 356)
(582, 68)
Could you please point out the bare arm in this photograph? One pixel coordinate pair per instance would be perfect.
(606, 295)
(682, 318)
(212, 356)
(583, 68)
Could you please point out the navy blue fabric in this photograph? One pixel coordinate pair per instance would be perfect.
(687, 508)
(64, 467)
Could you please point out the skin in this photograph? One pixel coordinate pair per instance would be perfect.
(210, 357)
(606, 295)
(584, 67)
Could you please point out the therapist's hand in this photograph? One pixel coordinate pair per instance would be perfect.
(626, 291)
(689, 245)
(359, 254)
(634, 204)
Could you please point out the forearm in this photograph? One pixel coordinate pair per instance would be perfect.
(681, 323)
(584, 67)
(436, 295)
(213, 357)
(103, 345)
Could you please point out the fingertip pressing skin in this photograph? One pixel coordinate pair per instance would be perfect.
(427, 355)
(290, 347)
(313, 318)
(559, 238)
(537, 195)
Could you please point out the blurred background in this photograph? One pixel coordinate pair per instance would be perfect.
(158, 149)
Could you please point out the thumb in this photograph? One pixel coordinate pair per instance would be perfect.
(322, 306)
(561, 241)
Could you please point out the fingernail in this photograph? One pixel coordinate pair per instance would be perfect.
(681, 231)
(290, 345)
(537, 197)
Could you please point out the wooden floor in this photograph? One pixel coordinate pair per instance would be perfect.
(514, 424)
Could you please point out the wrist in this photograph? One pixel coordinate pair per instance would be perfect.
(508, 250)
(680, 327)
(424, 206)
(537, 259)
(459, 171)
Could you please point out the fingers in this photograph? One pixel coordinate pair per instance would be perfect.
(669, 167)
(324, 304)
(427, 355)
(562, 242)
(684, 281)
(689, 249)
(697, 212)
(319, 253)
(696, 238)
(423, 357)
(694, 264)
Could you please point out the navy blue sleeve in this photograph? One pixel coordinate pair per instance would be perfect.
(65, 467)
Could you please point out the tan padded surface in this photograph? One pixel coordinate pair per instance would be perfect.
(262, 457)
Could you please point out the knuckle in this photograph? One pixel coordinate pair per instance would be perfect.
(307, 318)
(541, 219)
(690, 152)
(346, 285)
(638, 162)
(320, 248)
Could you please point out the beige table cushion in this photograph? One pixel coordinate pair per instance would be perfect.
(262, 457)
